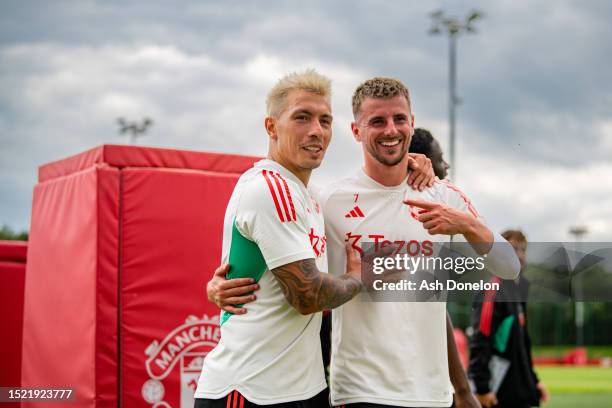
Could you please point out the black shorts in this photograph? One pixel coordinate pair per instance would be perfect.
(235, 400)
(366, 405)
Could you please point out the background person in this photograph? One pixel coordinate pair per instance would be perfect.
(423, 142)
(500, 333)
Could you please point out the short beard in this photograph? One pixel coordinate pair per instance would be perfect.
(384, 161)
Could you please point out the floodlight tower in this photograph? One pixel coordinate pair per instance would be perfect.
(134, 129)
(453, 27)
(578, 232)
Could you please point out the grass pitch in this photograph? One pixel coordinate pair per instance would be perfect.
(577, 386)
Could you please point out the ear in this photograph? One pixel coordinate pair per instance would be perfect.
(270, 125)
(355, 130)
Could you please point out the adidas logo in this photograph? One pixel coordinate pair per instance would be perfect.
(355, 213)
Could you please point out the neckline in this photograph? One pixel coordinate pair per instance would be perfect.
(364, 176)
(281, 169)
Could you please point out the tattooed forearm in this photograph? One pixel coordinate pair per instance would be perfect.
(309, 290)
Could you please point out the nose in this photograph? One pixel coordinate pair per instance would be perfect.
(390, 129)
(446, 165)
(316, 130)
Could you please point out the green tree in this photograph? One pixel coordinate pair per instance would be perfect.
(6, 233)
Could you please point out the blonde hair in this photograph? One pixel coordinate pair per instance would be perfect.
(379, 87)
(309, 80)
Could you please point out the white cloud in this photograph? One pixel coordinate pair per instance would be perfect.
(535, 136)
(542, 199)
(69, 98)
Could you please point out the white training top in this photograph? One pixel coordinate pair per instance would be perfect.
(272, 354)
(392, 353)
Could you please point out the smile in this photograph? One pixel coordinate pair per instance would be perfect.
(312, 149)
(389, 143)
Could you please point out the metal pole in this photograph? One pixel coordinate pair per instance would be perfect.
(578, 232)
(452, 99)
(578, 304)
(453, 27)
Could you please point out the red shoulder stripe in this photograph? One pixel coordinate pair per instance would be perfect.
(266, 176)
(288, 192)
(463, 197)
(281, 194)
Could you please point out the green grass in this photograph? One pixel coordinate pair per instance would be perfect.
(559, 351)
(576, 380)
(582, 387)
(579, 401)
(576, 387)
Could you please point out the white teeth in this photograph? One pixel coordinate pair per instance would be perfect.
(390, 143)
(312, 148)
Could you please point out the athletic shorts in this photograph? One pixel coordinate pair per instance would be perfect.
(366, 405)
(235, 400)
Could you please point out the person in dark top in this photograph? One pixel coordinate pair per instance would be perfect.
(500, 337)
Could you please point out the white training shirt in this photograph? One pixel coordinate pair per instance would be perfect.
(272, 354)
(392, 353)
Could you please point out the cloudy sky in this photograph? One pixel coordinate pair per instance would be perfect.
(534, 125)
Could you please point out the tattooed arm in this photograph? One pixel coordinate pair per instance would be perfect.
(310, 291)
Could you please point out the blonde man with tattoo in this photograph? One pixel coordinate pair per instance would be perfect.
(274, 235)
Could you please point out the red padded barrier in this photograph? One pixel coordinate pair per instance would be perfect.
(59, 325)
(12, 279)
(121, 247)
(167, 257)
(131, 156)
(15, 251)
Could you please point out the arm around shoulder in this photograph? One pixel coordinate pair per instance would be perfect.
(308, 290)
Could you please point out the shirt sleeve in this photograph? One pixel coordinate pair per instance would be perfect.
(501, 260)
(271, 214)
(456, 198)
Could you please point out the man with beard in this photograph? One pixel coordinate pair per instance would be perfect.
(396, 353)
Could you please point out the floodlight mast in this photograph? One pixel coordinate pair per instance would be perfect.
(133, 129)
(453, 27)
(578, 232)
